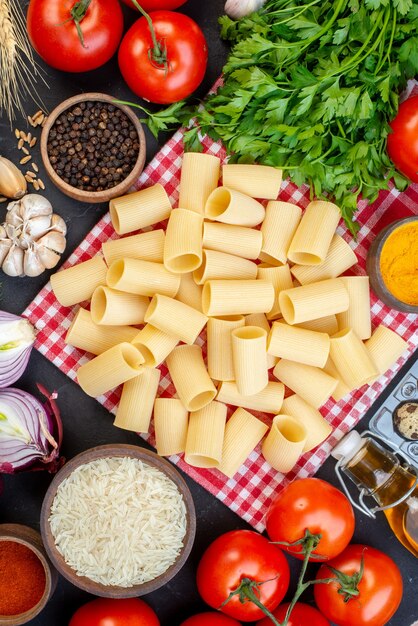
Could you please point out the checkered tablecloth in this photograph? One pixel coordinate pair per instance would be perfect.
(250, 491)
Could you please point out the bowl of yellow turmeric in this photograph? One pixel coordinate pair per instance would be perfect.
(392, 264)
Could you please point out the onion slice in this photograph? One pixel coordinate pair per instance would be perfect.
(30, 432)
(17, 336)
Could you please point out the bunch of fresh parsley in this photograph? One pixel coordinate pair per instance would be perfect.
(310, 87)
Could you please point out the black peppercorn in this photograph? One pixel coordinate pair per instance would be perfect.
(93, 146)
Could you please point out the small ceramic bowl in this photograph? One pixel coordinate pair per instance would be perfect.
(93, 196)
(111, 451)
(32, 540)
(373, 268)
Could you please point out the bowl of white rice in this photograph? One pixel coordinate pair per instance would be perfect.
(118, 521)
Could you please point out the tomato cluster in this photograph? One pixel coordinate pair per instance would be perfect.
(162, 57)
(245, 576)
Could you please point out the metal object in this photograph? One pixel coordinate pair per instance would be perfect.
(381, 422)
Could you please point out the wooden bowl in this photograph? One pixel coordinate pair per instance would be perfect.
(373, 268)
(32, 540)
(93, 196)
(150, 458)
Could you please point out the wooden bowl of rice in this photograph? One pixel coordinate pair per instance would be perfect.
(118, 521)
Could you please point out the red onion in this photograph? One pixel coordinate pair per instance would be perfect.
(30, 432)
(17, 336)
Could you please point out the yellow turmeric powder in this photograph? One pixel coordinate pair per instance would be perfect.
(399, 263)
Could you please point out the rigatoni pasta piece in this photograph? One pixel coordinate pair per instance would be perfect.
(219, 346)
(171, 421)
(199, 177)
(281, 279)
(327, 324)
(236, 240)
(154, 345)
(110, 369)
(189, 292)
(341, 389)
(76, 284)
(268, 400)
(84, 334)
(249, 355)
(312, 238)
(310, 383)
(183, 241)
(146, 246)
(278, 229)
(142, 277)
(358, 314)
(116, 308)
(190, 377)
(309, 302)
(298, 344)
(175, 318)
(339, 258)
(205, 436)
(385, 347)
(135, 407)
(219, 265)
(236, 297)
(232, 207)
(260, 319)
(243, 432)
(257, 181)
(284, 444)
(140, 209)
(352, 359)
(317, 427)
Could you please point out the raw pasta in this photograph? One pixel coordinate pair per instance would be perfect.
(84, 334)
(310, 383)
(385, 347)
(358, 314)
(232, 207)
(351, 358)
(317, 427)
(137, 401)
(298, 344)
(302, 304)
(199, 177)
(257, 181)
(243, 432)
(115, 308)
(175, 318)
(281, 279)
(278, 229)
(205, 436)
(312, 238)
(140, 209)
(76, 284)
(219, 346)
(249, 355)
(285, 442)
(236, 297)
(154, 345)
(236, 240)
(190, 377)
(146, 246)
(339, 258)
(218, 265)
(268, 400)
(170, 423)
(142, 277)
(183, 241)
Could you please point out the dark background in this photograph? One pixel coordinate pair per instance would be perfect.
(86, 422)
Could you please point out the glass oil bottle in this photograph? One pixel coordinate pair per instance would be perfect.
(377, 473)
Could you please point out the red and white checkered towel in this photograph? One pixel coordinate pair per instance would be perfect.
(250, 491)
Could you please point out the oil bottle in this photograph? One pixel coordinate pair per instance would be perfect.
(378, 473)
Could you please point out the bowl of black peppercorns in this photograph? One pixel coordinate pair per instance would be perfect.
(93, 149)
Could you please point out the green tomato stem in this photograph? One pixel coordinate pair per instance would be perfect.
(78, 13)
(245, 591)
(158, 54)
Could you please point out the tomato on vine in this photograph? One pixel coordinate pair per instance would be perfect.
(302, 615)
(75, 36)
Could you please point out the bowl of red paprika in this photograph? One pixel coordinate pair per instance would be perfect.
(28, 579)
(392, 264)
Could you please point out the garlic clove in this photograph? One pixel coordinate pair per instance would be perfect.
(5, 246)
(12, 181)
(53, 240)
(37, 226)
(13, 263)
(12, 215)
(48, 257)
(58, 224)
(236, 9)
(32, 264)
(3, 233)
(34, 205)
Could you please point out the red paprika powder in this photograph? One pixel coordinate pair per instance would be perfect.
(22, 578)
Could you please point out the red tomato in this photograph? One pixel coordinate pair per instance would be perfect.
(108, 612)
(187, 57)
(239, 555)
(301, 615)
(380, 588)
(155, 5)
(311, 503)
(403, 141)
(53, 33)
(211, 619)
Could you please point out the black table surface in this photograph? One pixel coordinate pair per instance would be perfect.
(88, 424)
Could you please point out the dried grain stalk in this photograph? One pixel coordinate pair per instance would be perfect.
(18, 68)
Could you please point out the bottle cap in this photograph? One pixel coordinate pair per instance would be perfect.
(348, 446)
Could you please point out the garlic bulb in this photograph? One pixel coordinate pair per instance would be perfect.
(32, 238)
(12, 182)
(236, 9)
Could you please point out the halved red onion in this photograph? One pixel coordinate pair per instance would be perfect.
(30, 432)
(17, 336)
